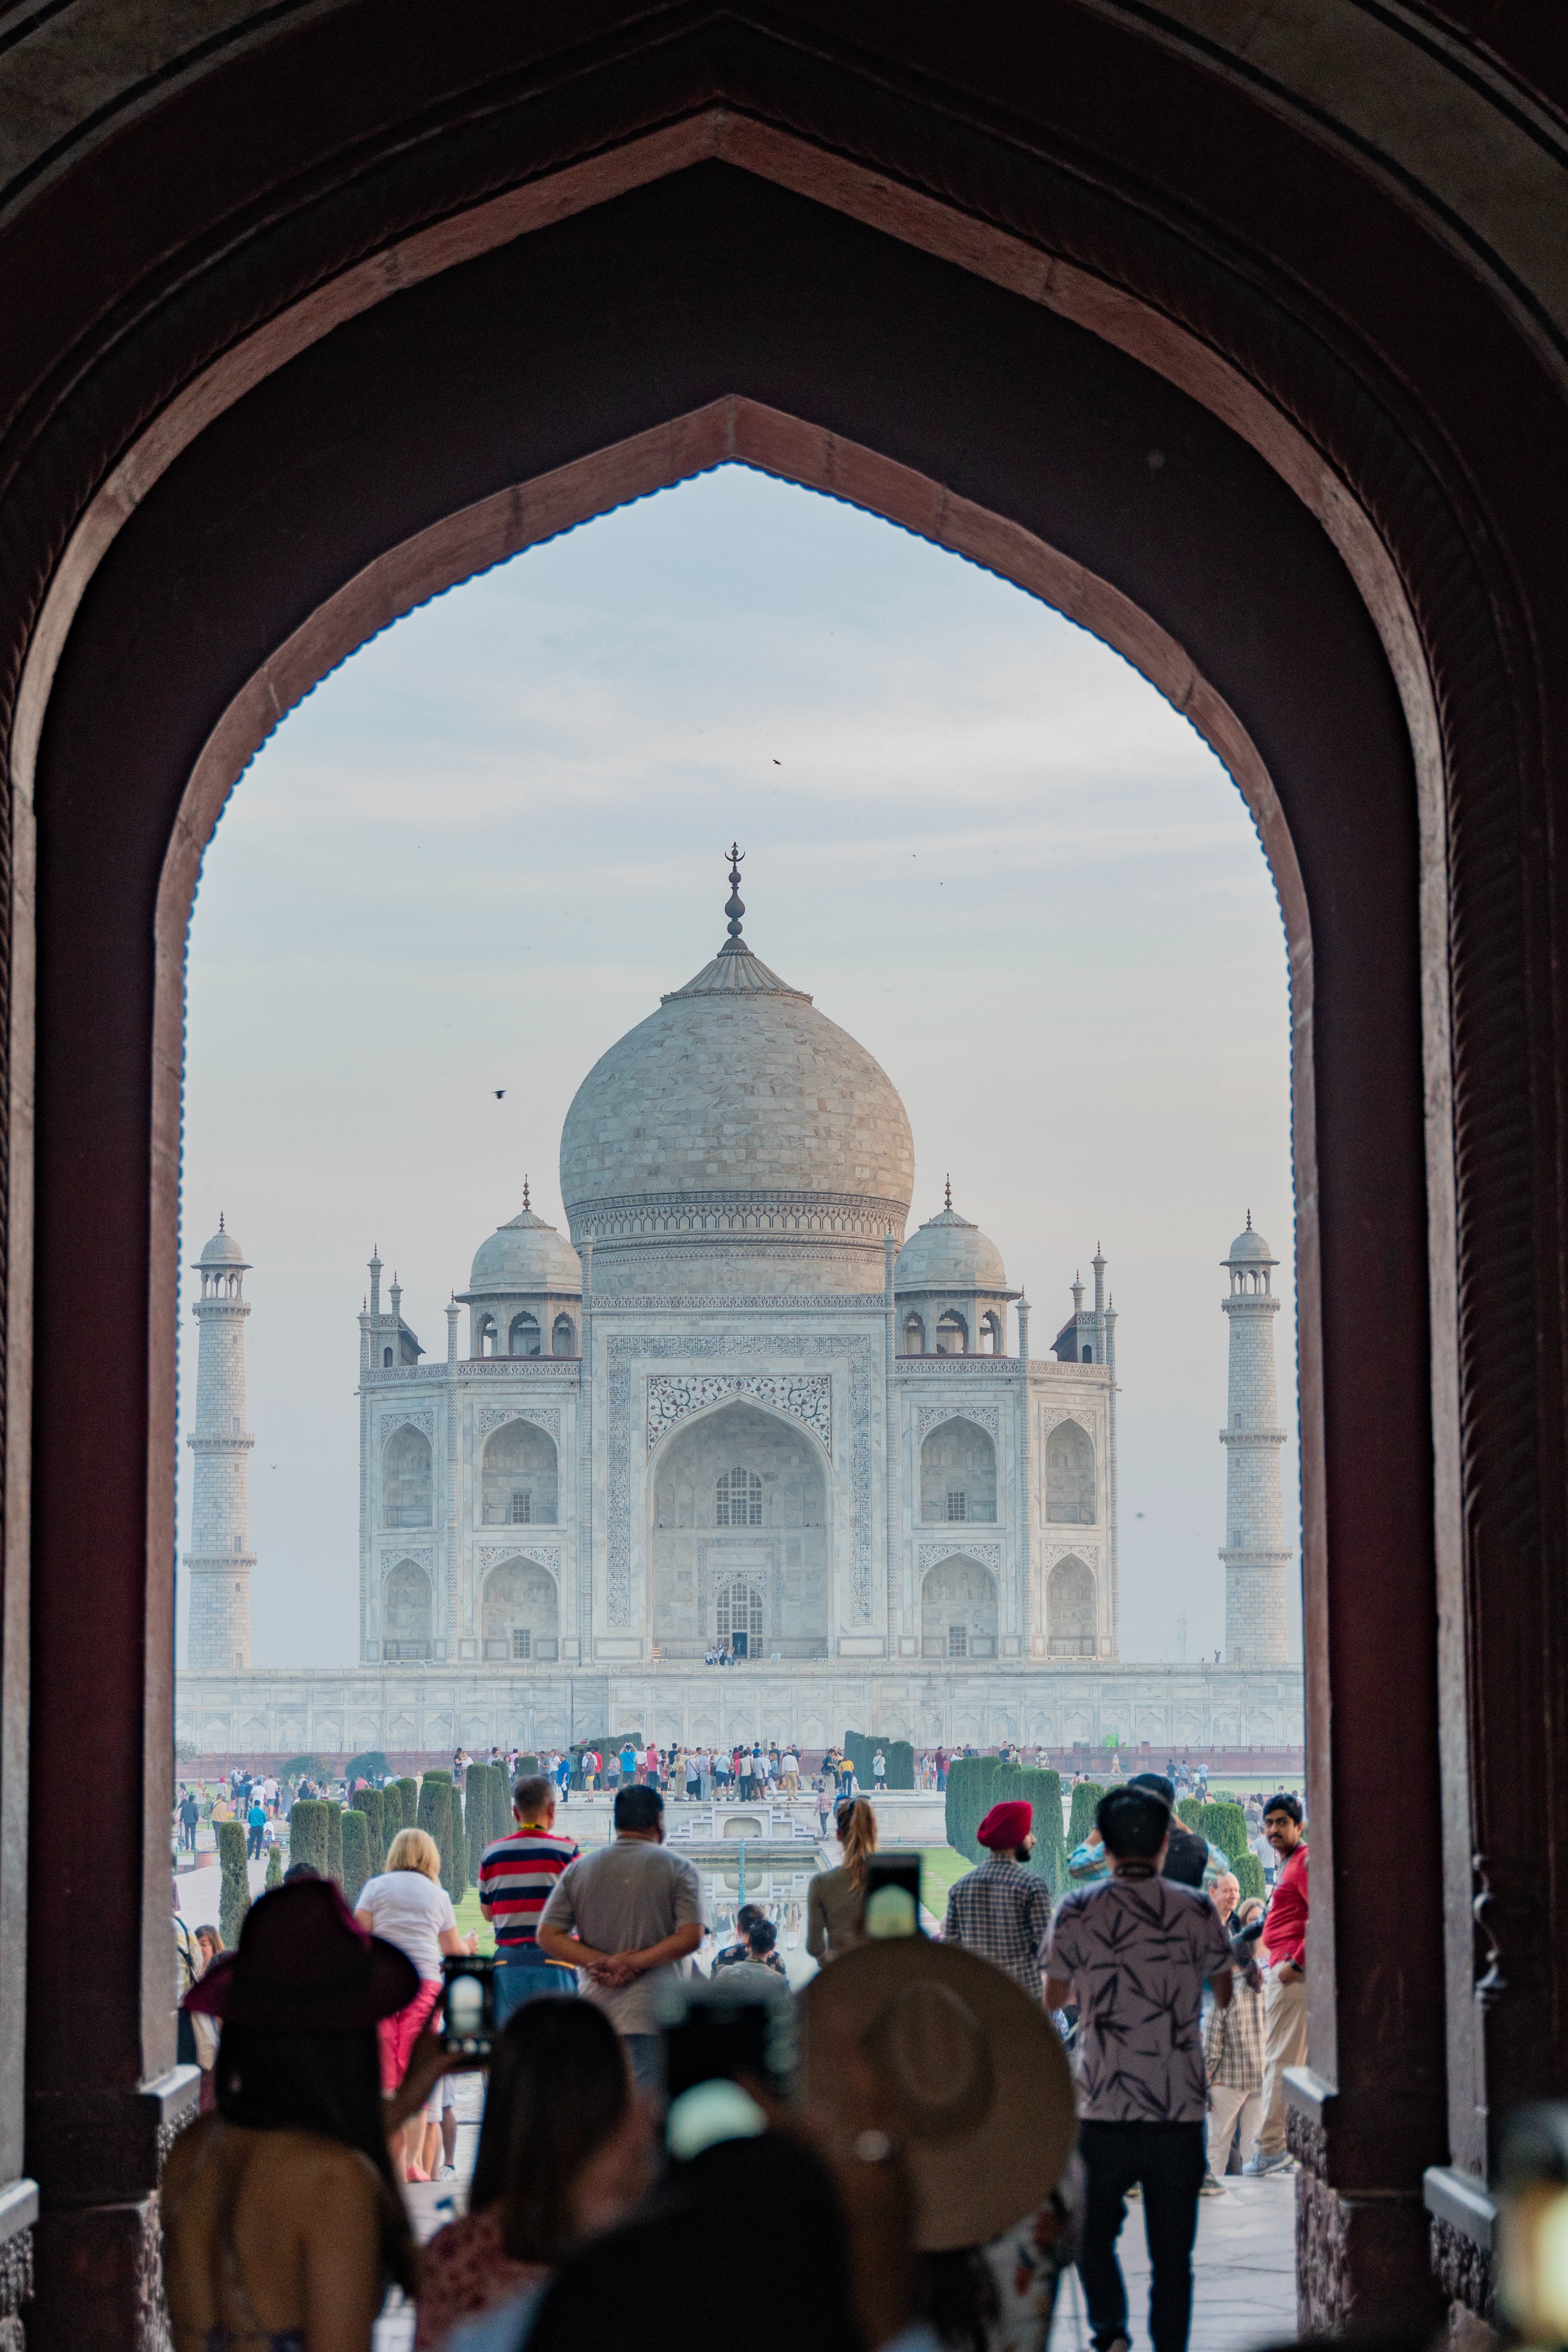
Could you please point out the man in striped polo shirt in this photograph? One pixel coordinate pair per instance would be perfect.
(517, 1876)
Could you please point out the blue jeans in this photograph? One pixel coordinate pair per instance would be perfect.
(525, 1974)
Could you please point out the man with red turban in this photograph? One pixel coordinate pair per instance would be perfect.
(1002, 1910)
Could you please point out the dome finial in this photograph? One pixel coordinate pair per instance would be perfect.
(1249, 1221)
(735, 905)
(220, 1219)
(947, 1190)
(525, 1198)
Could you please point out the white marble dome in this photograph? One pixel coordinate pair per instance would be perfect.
(737, 1142)
(1251, 1247)
(222, 1250)
(527, 1255)
(948, 1253)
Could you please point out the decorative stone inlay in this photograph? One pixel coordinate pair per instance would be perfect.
(393, 1554)
(392, 1422)
(964, 1367)
(640, 1216)
(1088, 1553)
(494, 1416)
(807, 1397)
(490, 1556)
(989, 1555)
(1464, 2271)
(622, 1350)
(1052, 1417)
(927, 1416)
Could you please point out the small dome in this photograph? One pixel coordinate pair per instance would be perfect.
(948, 1253)
(1251, 1248)
(525, 1256)
(222, 1250)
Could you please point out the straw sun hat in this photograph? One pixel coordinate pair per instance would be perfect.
(953, 2060)
(305, 1965)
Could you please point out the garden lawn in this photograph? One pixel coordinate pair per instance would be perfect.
(941, 1866)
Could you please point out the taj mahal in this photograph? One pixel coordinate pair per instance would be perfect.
(733, 1410)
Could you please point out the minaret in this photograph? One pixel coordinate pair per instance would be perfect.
(1254, 1554)
(219, 1560)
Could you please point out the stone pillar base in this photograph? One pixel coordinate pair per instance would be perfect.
(1364, 2261)
(98, 2281)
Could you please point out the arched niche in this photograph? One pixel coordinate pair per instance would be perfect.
(958, 1472)
(407, 1479)
(913, 1336)
(519, 1478)
(1071, 1497)
(407, 1611)
(1071, 1610)
(519, 1613)
(739, 1540)
(958, 1610)
(952, 1333)
(564, 1337)
(522, 1339)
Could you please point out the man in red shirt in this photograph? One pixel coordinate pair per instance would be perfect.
(1285, 2010)
(518, 1874)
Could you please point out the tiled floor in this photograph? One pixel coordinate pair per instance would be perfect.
(1243, 2267)
(1245, 2261)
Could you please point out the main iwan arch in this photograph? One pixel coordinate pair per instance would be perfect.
(1138, 314)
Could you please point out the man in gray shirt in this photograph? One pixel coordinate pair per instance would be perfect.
(627, 1917)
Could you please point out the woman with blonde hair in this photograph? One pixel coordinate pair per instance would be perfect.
(835, 1899)
(407, 1905)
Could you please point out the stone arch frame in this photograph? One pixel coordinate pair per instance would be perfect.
(1053, 1495)
(545, 1480)
(398, 1435)
(1064, 1640)
(976, 1518)
(549, 1634)
(407, 1642)
(1409, 522)
(821, 1458)
(981, 1620)
(524, 1324)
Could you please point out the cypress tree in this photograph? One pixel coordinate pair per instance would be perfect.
(308, 1833)
(435, 1818)
(1043, 1790)
(335, 1842)
(368, 1802)
(408, 1797)
(355, 1835)
(274, 1868)
(233, 1897)
(1085, 1798)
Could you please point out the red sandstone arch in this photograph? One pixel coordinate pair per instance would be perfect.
(940, 299)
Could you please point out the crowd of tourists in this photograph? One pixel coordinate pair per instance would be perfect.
(1149, 2013)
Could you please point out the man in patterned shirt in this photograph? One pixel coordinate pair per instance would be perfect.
(1002, 1910)
(1134, 1952)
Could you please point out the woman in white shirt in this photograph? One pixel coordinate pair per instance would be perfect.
(408, 1905)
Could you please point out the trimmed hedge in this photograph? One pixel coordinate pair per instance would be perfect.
(336, 1843)
(969, 1800)
(356, 1855)
(308, 1833)
(372, 1803)
(305, 1768)
(274, 1868)
(461, 1878)
(1085, 1799)
(1223, 1823)
(408, 1798)
(233, 1897)
(435, 1817)
(371, 1763)
(897, 1754)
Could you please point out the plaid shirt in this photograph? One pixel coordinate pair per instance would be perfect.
(1233, 2038)
(1002, 1911)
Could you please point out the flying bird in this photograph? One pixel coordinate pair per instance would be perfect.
(501, 1094)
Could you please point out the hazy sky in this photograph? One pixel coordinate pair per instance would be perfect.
(481, 851)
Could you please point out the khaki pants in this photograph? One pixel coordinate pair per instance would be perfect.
(1227, 2108)
(1284, 2044)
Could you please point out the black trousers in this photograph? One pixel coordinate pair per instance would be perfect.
(1168, 2158)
